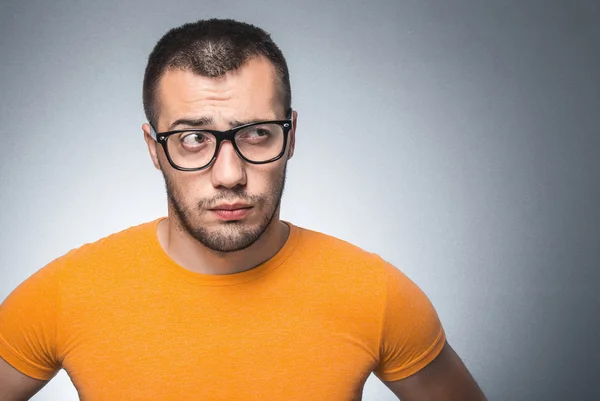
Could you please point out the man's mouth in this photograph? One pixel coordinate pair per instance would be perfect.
(234, 206)
(236, 211)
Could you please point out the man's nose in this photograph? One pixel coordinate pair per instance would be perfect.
(228, 169)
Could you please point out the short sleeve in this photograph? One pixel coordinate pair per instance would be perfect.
(411, 334)
(28, 324)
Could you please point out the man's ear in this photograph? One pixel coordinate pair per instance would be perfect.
(152, 145)
(292, 134)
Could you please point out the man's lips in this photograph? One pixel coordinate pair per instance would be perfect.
(234, 206)
(231, 212)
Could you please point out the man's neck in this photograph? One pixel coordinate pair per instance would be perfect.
(192, 255)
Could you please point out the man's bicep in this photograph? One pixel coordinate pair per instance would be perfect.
(14, 385)
(444, 379)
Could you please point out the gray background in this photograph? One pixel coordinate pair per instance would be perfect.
(458, 139)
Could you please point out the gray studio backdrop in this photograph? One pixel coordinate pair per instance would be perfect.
(457, 139)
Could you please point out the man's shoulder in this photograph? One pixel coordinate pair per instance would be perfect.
(127, 239)
(322, 241)
(331, 250)
(122, 244)
(90, 262)
(339, 269)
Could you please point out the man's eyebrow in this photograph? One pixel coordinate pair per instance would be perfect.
(204, 121)
(236, 123)
(192, 122)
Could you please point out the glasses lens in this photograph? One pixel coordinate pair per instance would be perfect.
(191, 149)
(259, 143)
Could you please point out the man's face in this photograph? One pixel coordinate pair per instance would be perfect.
(198, 199)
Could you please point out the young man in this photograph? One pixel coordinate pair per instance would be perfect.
(222, 300)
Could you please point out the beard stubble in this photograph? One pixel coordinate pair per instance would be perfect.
(230, 236)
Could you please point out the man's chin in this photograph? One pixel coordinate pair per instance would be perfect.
(227, 236)
(227, 244)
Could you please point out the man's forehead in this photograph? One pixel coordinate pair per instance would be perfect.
(239, 94)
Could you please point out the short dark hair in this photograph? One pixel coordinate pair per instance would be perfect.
(211, 48)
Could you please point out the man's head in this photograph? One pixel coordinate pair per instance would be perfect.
(211, 48)
(216, 75)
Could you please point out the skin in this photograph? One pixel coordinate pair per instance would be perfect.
(444, 379)
(15, 386)
(225, 248)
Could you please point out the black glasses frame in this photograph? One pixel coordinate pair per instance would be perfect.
(229, 135)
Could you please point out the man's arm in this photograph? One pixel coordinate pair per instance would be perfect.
(445, 379)
(15, 386)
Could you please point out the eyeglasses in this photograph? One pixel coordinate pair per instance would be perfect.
(196, 149)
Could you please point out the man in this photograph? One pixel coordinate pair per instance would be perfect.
(222, 300)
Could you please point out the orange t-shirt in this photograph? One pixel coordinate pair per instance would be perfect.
(128, 323)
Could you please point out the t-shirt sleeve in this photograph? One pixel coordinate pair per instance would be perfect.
(412, 334)
(28, 325)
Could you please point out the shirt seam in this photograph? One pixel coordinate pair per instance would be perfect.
(59, 316)
(385, 280)
(24, 359)
(424, 355)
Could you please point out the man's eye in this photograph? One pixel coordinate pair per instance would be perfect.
(255, 133)
(193, 139)
(260, 132)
